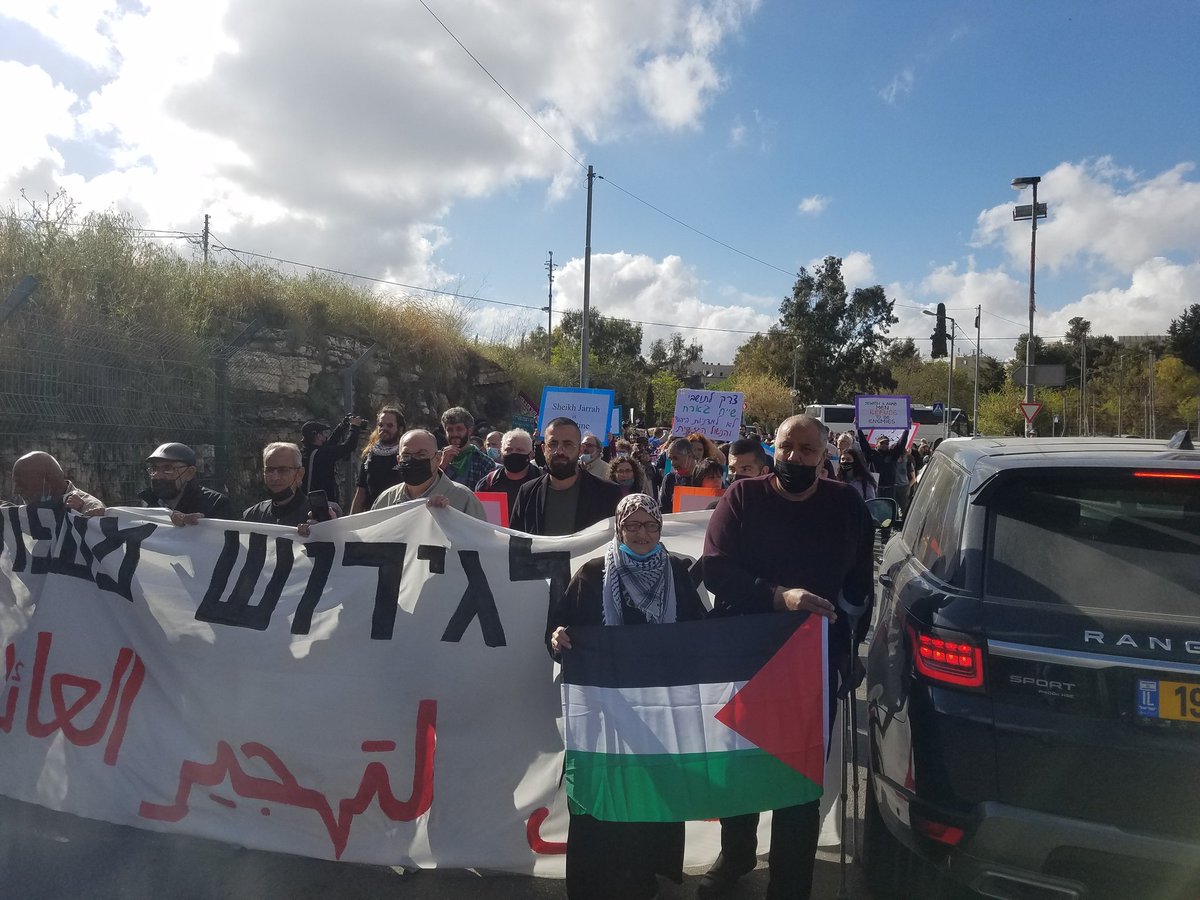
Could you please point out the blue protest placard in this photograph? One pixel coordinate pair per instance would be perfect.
(590, 408)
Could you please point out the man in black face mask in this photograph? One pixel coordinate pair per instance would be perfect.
(516, 451)
(567, 498)
(173, 486)
(417, 463)
(790, 542)
(283, 477)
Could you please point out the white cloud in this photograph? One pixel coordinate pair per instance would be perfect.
(38, 111)
(347, 132)
(80, 28)
(644, 289)
(813, 205)
(1101, 215)
(1158, 291)
(857, 269)
(898, 87)
(737, 133)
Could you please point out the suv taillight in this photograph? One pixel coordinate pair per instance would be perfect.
(947, 658)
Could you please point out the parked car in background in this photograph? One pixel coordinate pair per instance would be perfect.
(1033, 680)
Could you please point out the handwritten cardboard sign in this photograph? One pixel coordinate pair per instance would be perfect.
(714, 414)
(882, 411)
(590, 408)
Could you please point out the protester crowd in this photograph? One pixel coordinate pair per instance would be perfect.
(789, 531)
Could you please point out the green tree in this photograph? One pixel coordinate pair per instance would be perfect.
(677, 357)
(830, 342)
(1184, 336)
(767, 400)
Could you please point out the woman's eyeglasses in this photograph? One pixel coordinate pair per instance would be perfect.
(647, 527)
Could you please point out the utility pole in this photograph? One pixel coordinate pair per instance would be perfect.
(1083, 384)
(1151, 412)
(1120, 390)
(204, 239)
(584, 346)
(978, 351)
(548, 308)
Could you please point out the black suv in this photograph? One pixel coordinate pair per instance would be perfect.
(1033, 681)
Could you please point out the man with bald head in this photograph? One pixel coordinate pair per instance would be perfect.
(789, 541)
(38, 478)
(418, 463)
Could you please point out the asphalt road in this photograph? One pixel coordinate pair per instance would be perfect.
(46, 855)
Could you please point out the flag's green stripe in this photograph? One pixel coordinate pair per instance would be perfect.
(678, 787)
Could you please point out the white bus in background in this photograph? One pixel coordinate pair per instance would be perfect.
(839, 417)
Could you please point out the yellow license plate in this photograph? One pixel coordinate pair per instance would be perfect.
(1178, 701)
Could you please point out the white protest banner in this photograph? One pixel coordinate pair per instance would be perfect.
(882, 411)
(614, 425)
(590, 408)
(378, 692)
(714, 414)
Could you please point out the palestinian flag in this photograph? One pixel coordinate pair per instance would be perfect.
(696, 720)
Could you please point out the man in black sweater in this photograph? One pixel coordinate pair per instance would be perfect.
(566, 499)
(790, 541)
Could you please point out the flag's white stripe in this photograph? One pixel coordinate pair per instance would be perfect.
(650, 719)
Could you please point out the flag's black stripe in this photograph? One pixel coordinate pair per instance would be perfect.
(714, 651)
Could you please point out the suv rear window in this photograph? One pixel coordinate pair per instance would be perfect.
(1096, 538)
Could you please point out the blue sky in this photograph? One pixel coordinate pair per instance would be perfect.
(364, 139)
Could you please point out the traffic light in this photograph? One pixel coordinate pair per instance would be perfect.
(939, 334)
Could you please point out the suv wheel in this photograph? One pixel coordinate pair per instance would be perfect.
(891, 869)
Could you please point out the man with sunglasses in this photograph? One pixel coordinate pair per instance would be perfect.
(173, 486)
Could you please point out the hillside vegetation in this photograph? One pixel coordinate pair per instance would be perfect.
(102, 267)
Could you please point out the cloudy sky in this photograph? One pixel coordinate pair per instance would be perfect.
(736, 140)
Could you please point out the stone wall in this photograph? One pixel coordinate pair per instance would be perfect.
(101, 398)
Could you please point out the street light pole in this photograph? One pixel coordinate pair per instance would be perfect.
(1020, 184)
(795, 374)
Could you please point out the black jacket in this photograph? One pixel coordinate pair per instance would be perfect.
(884, 462)
(320, 463)
(598, 501)
(583, 602)
(213, 504)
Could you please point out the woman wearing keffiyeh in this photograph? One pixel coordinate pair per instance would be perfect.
(636, 583)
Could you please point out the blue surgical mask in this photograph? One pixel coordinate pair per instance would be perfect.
(494, 453)
(639, 556)
(585, 458)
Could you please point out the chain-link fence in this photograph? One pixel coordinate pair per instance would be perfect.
(101, 396)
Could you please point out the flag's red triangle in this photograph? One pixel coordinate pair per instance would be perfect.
(782, 708)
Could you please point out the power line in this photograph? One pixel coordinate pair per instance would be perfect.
(516, 102)
(691, 228)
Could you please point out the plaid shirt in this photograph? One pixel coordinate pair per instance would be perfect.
(469, 467)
